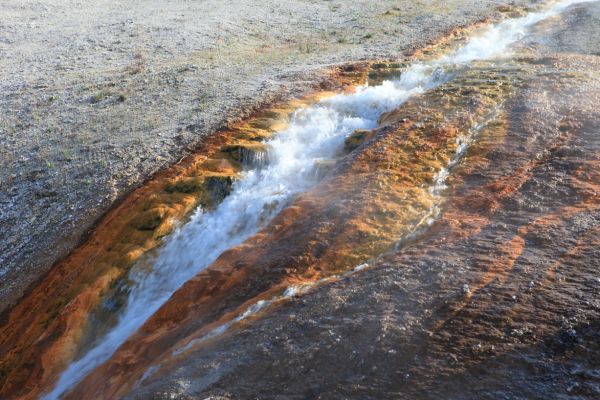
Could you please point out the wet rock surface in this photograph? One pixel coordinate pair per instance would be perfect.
(484, 288)
(499, 299)
(83, 295)
(96, 97)
(372, 198)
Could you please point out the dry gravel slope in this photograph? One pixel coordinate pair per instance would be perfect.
(96, 96)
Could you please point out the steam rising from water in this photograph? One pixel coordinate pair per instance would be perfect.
(314, 134)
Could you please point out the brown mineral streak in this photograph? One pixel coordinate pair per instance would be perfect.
(466, 216)
(499, 299)
(376, 195)
(508, 252)
(41, 334)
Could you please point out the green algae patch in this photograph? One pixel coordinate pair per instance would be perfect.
(149, 220)
(385, 70)
(356, 139)
(186, 185)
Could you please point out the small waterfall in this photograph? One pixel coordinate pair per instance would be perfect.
(254, 158)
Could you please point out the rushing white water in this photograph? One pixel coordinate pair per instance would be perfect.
(314, 134)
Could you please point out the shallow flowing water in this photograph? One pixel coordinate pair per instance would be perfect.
(315, 134)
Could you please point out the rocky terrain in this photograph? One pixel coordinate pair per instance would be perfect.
(96, 96)
(500, 299)
(434, 237)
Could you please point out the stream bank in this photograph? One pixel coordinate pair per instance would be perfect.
(98, 97)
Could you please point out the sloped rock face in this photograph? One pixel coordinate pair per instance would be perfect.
(82, 296)
(498, 299)
(381, 192)
(83, 126)
(486, 288)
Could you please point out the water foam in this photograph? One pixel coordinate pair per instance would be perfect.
(314, 134)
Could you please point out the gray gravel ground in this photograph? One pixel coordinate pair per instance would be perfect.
(96, 96)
